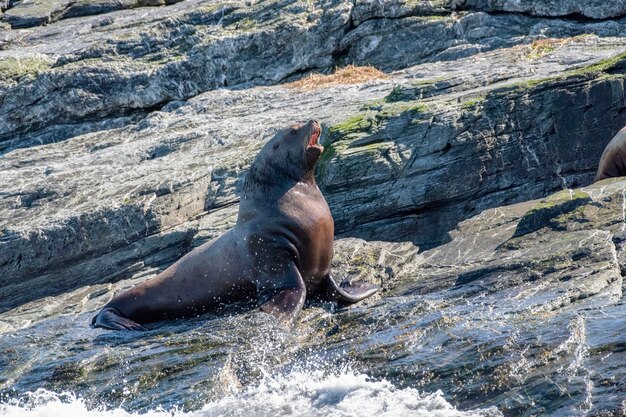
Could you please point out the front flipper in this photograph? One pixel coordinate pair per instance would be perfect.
(281, 290)
(112, 319)
(329, 290)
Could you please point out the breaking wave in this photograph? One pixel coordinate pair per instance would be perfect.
(314, 393)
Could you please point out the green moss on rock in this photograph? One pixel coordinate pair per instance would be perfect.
(409, 109)
(243, 25)
(327, 155)
(602, 68)
(396, 94)
(550, 211)
(356, 124)
(606, 65)
(16, 68)
(365, 131)
(472, 103)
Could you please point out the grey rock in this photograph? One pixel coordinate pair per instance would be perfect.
(109, 70)
(93, 7)
(577, 10)
(419, 161)
(374, 9)
(454, 181)
(140, 73)
(28, 13)
(544, 296)
(594, 9)
(7, 4)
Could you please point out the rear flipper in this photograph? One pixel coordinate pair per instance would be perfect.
(111, 318)
(329, 290)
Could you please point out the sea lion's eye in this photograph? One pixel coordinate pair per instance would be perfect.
(294, 131)
(276, 145)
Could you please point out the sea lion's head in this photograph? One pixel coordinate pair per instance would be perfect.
(297, 144)
(287, 158)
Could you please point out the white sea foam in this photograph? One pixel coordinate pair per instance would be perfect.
(297, 394)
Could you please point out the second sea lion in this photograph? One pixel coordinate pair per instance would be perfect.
(613, 159)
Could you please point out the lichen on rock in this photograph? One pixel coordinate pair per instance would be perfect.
(459, 174)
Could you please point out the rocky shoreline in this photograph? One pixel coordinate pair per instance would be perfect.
(465, 172)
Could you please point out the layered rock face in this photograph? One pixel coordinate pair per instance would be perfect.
(144, 148)
(126, 128)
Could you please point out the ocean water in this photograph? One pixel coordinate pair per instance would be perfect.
(341, 394)
(244, 364)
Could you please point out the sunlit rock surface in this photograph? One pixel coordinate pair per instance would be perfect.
(455, 181)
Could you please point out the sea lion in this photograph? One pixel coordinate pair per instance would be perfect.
(613, 159)
(278, 252)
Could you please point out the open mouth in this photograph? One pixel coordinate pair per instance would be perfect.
(316, 131)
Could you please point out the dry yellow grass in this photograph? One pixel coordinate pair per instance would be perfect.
(542, 47)
(346, 75)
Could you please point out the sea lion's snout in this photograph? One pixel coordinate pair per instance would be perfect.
(313, 148)
(315, 132)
